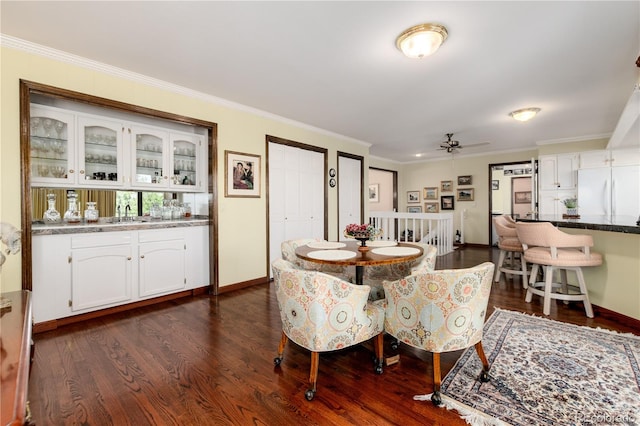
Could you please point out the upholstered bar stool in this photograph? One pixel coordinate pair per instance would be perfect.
(545, 245)
(510, 246)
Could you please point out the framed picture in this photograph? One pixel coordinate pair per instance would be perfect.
(446, 185)
(414, 209)
(446, 202)
(374, 193)
(465, 194)
(430, 193)
(523, 197)
(465, 180)
(431, 207)
(495, 185)
(241, 174)
(413, 197)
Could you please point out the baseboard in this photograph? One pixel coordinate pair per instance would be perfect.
(243, 284)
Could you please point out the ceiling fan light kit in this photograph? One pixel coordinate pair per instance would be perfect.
(524, 114)
(421, 40)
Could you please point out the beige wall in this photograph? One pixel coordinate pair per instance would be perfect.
(242, 221)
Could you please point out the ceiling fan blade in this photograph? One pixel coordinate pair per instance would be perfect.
(473, 144)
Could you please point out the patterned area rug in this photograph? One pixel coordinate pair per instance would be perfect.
(545, 372)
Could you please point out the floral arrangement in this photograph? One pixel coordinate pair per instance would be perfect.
(570, 203)
(361, 231)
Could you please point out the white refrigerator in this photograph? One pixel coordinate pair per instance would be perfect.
(609, 191)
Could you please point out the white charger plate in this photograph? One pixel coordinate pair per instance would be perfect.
(396, 251)
(325, 245)
(381, 243)
(331, 254)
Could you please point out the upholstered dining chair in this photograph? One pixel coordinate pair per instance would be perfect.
(323, 313)
(440, 311)
(288, 250)
(545, 245)
(511, 247)
(375, 275)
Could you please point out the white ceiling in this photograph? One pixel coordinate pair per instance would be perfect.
(334, 65)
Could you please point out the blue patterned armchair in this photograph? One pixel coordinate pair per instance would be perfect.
(323, 313)
(440, 311)
(374, 276)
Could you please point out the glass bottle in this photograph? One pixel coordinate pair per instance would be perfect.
(187, 210)
(51, 215)
(72, 215)
(91, 215)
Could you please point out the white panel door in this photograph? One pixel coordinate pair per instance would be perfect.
(350, 192)
(296, 195)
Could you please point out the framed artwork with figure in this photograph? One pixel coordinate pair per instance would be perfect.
(446, 202)
(241, 175)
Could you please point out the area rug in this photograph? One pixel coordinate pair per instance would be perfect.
(546, 372)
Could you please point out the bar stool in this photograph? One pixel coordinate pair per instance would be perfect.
(510, 245)
(545, 245)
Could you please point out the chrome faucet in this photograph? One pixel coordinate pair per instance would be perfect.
(127, 209)
(118, 210)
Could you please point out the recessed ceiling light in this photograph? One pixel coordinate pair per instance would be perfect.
(421, 40)
(524, 114)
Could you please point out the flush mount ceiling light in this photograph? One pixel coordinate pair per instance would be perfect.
(421, 40)
(524, 114)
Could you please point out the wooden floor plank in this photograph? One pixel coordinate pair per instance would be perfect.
(208, 360)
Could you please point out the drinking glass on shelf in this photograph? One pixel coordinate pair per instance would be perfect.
(47, 125)
(35, 124)
(59, 126)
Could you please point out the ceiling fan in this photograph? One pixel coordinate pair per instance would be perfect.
(452, 146)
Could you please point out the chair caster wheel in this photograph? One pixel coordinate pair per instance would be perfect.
(378, 369)
(277, 361)
(436, 399)
(484, 376)
(309, 394)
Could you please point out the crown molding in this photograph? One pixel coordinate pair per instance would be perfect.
(82, 62)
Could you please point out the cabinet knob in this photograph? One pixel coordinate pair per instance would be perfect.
(142, 256)
(70, 170)
(81, 172)
(128, 257)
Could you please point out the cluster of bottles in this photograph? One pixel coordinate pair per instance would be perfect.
(72, 215)
(170, 210)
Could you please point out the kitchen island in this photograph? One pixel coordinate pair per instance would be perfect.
(615, 285)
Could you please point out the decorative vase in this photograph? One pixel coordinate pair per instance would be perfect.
(363, 243)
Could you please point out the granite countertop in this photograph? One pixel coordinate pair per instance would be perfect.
(624, 224)
(107, 225)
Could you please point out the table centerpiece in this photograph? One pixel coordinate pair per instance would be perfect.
(362, 233)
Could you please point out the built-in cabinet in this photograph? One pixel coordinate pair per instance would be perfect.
(80, 273)
(557, 177)
(75, 149)
(609, 158)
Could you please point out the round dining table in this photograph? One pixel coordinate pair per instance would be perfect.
(348, 253)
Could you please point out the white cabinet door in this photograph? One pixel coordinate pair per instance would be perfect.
(185, 153)
(567, 167)
(594, 159)
(100, 276)
(161, 262)
(100, 153)
(53, 140)
(51, 277)
(550, 202)
(197, 256)
(625, 157)
(149, 158)
(547, 176)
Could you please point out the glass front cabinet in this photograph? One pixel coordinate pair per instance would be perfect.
(69, 148)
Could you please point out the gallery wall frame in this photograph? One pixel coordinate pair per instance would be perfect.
(446, 202)
(465, 180)
(446, 185)
(374, 193)
(413, 196)
(495, 185)
(430, 193)
(431, 207)
(414, 209)
(465, 194)
(242, 174)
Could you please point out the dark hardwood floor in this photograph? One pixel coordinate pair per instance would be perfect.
(209, 361)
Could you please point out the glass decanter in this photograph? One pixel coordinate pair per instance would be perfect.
(72, 215)
(51, 215)
(91, 214)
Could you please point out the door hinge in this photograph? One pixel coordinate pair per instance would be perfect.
(70, 303)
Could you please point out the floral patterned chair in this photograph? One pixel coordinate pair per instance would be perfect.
(288, 250)
(323, 313)
(440, 311)
(374, 276)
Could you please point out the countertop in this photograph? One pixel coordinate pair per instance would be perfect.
(103, 225)
(624, 224)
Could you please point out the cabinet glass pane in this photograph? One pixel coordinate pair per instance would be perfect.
(49, 147)
(100, 153)
(148, 158)
(184, 162)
